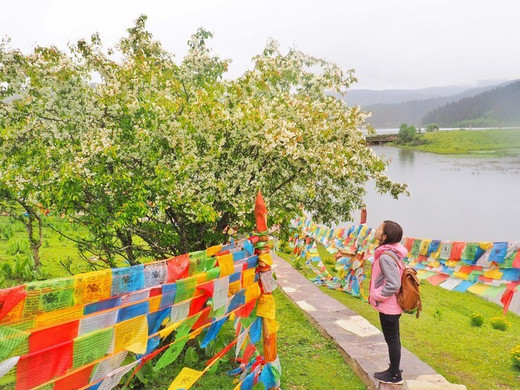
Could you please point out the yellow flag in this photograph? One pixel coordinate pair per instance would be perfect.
(493, 274)
(423, 249)
(163, 333)
(234, 287)
(226, 265)
(132, 335)
(195, 333)
(155, 303)
(92, 286)
(266, 258)
(478, 288)
(434, 264)
(460, 275)
(248, 277)
(485, 245)
(212, 250)
(266, 306)
(58, 316)
(201, 278)
(186, 378)
(252, 292)
(435, 255)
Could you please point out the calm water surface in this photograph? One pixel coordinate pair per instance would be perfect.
(459, 198)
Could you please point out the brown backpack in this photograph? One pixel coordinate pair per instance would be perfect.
(409, 295)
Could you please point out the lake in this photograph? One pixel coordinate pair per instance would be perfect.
(457, 198)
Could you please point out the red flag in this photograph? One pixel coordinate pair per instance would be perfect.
(9, 298)
(363, 216)
(197, 304)
(77, 380)
(38, 368)
(246, 309)
(48, 337)
(508, 295)
(260, 213)
(222, 352)
(178, 267)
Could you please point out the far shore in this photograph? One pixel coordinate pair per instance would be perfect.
(467, 141)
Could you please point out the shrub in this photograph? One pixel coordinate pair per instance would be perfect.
(500, 323)
(7, 232)
(515, 356)
(284, 247)
(476, 319)
(18, 246)
(298, 263)
(407, 133)
(22, 268)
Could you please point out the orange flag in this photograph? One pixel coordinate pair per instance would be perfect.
(260, 213)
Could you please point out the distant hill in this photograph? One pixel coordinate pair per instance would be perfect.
(413, 112)
(368, 97)
(390, 108)
(497, 107)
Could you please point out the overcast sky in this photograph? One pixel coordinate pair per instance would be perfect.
(390, 44)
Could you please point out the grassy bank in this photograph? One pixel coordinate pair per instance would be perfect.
(59, 256)
(478, 357)
(468, 141)
(306, 356)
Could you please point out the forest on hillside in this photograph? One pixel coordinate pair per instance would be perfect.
(386, 113)
(498, 107)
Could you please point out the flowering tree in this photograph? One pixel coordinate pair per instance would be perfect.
(157, 157)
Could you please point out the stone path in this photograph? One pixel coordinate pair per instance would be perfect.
(362, 344)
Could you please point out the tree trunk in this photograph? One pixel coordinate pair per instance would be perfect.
(35, 243)
(128, 246)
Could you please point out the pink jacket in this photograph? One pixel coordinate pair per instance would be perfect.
(381, 284)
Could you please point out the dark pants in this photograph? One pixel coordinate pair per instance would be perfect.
(390, 326)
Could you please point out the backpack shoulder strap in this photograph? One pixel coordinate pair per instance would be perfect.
(400, 264)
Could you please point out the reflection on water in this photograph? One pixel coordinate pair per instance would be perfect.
(468, 198)
(406, 156)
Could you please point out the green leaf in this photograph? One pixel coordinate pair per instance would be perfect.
(191, 356)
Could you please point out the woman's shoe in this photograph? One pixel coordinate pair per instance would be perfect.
(387, 377)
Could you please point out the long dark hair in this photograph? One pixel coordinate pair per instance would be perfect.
(393, 232)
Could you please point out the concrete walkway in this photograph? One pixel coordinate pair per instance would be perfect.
(361, 343)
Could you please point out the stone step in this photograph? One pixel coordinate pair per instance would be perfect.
(423, 382)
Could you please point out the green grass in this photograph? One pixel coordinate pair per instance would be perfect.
(468, 141)
(56, 252)
(306, 356)
(478, 357)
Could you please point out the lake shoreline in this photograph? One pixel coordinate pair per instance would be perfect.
(493, 142)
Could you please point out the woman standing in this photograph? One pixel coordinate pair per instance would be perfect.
(384, 285)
